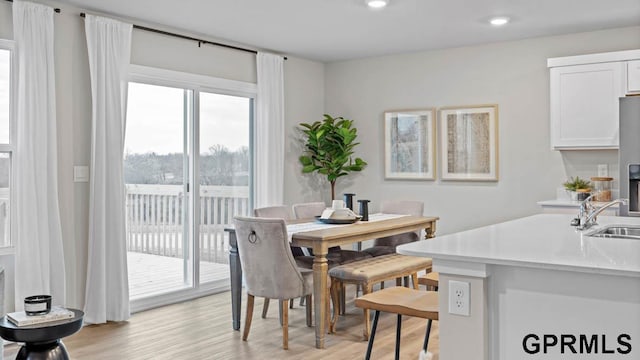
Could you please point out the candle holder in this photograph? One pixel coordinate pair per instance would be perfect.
(364, 209)
(348, 200)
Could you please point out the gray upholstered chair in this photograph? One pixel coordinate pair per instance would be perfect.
(269, 268)
(387, 245)
(336, 255)
(278, 212)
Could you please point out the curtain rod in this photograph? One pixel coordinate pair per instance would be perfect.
(54, 9)
(200, 41)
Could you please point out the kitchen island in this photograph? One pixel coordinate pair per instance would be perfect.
(539, 289)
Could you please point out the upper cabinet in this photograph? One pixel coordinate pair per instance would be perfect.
(584, 98)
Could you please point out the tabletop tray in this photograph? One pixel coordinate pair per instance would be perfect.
(338, 221)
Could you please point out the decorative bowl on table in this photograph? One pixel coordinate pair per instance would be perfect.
(338, 216)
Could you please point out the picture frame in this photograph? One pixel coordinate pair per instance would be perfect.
(469, 142)
(410, 144)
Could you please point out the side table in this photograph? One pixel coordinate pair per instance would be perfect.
(42, 341)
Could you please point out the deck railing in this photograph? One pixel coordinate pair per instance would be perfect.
(155, 219)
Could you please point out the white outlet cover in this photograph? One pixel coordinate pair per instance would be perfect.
(459, 297)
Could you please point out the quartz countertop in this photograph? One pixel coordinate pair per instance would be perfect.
(542, 241)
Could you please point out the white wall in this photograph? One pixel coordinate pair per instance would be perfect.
(304, 83)
(513, 75)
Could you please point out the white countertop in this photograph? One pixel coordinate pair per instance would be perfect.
(543, 241)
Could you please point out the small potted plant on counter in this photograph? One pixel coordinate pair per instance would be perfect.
(578, 188)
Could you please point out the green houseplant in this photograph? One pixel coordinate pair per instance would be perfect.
(578, 188)
(329, 148)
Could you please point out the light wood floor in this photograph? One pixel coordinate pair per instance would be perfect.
(201, 329)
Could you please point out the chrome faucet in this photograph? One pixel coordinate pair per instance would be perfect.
(588, 213)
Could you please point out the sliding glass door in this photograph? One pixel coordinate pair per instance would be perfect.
(184, 139)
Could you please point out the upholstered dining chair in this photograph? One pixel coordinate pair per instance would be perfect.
(387, 245)
(279, 212)
(269, 268)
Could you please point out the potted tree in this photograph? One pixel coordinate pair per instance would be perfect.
(578, 188)
(328, 149)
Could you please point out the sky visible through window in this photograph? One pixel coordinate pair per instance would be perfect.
(155, 120)
(5, 98)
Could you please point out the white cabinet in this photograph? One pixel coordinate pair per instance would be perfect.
(633, 77)
(584, 105)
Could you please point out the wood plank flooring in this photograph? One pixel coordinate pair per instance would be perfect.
(201, 329)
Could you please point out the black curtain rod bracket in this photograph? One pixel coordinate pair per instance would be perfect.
(185, 37)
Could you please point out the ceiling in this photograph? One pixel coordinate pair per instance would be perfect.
(334, 30)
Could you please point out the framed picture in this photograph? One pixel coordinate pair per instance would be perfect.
(409, 144)
(469, 143)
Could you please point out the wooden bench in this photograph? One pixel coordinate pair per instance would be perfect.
(368, 272)
(400, 301)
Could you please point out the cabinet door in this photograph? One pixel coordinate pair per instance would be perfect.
(584, 105)
(633, 76)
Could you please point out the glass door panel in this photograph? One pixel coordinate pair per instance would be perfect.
(155, 169)
(224, 177)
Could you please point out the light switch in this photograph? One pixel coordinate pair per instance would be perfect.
(80, 174)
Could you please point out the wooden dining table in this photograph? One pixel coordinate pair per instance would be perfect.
(320, 240)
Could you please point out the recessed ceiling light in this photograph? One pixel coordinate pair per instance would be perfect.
(499, 21)
(377, 4)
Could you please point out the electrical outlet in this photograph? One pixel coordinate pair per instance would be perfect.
(603, 170)
(459, 297)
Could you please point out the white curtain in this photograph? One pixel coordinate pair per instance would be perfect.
(39, 250)
(270, 131)
(107, 290)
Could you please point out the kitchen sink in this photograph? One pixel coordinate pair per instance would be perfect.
(617, 231)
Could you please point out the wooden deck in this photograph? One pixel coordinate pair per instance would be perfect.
(153, 274)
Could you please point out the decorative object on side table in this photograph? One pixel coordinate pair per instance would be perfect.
(37, 304)
(329, 149)
(578, 188)
(469, 143)
(409, 145)
(42, 341)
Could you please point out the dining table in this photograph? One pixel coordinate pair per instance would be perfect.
(319, 237)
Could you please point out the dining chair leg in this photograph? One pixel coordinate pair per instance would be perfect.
(327, 310)
(399, 281)
(291, 304)
(373, 334)
(285, 324)
(366, 289)
(280, 311)
(426, 337)
(382, 285)
(343, 302)
(302, 301)
(247, 319)
(398, 331)
(308, 306)
(265, 307)
(414, 281)
(335, 300)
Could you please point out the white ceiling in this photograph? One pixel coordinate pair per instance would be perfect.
(332, 30)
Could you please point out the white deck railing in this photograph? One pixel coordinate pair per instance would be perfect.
(155, 219)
